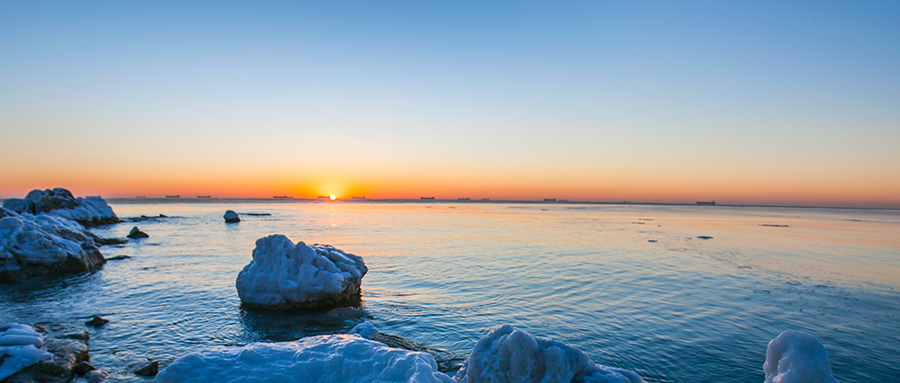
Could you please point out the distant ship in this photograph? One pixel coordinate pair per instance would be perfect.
(563, 200)
(485, 199)
(140, 196)
(465, 199)
(323, 197)
(357, 197)
(549, 199)
(282, 197)
(710, 203)
(427, 197)
(173, 196)
(204, 196)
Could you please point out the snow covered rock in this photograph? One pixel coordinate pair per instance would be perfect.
(64, 348)
(88, 211)
(324, 358)
(507, 355)
(42, 244)
(232, 217)
(797, 357)
(22, 346)
(287, 276)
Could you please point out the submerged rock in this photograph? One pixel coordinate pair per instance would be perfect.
(96, 321)
(507, 355)
(232, 217)
(446, 361)
(88, 211)
(44, 244)
(287, 276)
(797, 357)
(96, 376)
(83, 368)
(324, 358)
(137, 233)
(149, 370)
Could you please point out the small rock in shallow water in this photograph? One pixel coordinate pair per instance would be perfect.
(231, 217)
(96, 376)
(149, 370)
(83, 368)
(704, 237)
(137, 233)
(118, 258)
(96, 321)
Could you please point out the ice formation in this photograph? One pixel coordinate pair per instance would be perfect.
(507, 355)
(323, 358)
(283, 275)
(46, 241)
(797, 357)
(365, 329)
(88, 211)
(23, 347)
(231, 217)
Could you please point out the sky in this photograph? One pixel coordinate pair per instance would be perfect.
(764, 102)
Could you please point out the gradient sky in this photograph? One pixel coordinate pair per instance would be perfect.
(752, 102)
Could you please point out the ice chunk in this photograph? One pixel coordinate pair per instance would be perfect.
(324, 359)
(797, 357)
(283, 275)
(22, 346)
(365, 329)
(507, 355)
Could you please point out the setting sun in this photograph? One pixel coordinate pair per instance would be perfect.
(332, 197)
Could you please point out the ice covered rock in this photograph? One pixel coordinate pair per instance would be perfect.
(88, 211)
(22, 346)
(325, 358)
(365, 329)
(66, 347)
(42, 244)
(507, 355)
(287, 276)
(137, 233)
(797, 357)
(232, 217)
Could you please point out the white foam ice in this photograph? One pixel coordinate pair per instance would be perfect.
(22, 346)
(507, 355)
(282, 273)
(325, 359)
(797, 357)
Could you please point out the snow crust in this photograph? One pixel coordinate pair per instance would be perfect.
(325, 359)
(797, 357)
(23, 345)
(365, 330)
(62, 203)
(507, 355)
(41, 239)
(284, 274)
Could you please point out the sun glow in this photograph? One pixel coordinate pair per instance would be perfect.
(332, 197)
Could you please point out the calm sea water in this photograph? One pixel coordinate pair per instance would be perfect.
(632, 286)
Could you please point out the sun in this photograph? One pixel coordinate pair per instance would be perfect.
(332, 197)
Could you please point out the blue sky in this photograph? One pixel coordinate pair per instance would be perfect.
(604, 100)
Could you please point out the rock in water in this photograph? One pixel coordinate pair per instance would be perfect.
(83, 368)
(507, 355)
(339, 358)
(149, 370)
(21, 346)
(797, 357)
(96, 376)
(287, 276)
(43, 244)
(96, 321)
(137, 233)
(88, 211)
(232, 217)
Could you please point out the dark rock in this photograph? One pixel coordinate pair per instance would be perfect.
(149, 370)
(109, 241)
(446, 361)
(96, 321)
(117, 258)
(96, 376)
(231, 217)
(137, 233)
(704, 237)
(83, 368)
(163, 216)
(652, 240)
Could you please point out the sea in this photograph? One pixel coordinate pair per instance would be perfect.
(674, 293)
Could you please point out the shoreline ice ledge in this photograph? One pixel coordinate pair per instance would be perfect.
(286, 276)
(88, 211)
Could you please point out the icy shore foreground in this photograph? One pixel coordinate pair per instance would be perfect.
(504, 355)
